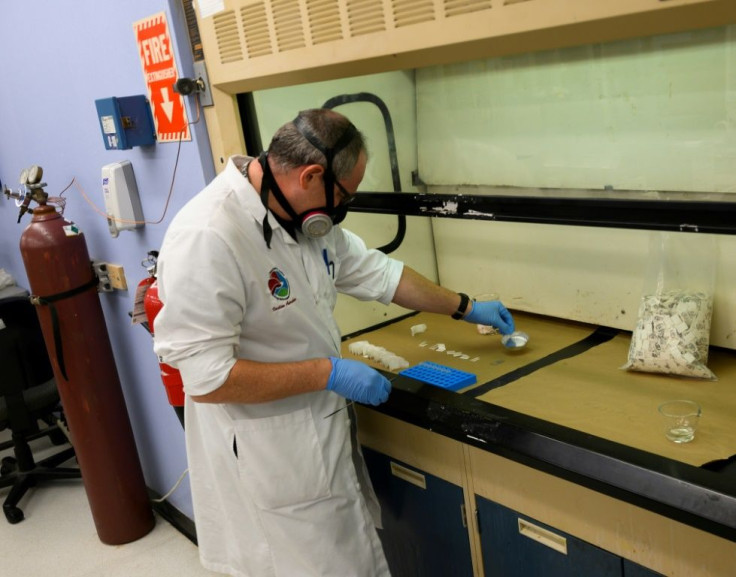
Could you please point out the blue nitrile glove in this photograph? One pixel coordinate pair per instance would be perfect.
(491, 313)
(358, 382)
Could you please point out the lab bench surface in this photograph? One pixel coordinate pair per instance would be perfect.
(563, 406)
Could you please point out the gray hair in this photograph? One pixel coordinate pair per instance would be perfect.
(289, 148)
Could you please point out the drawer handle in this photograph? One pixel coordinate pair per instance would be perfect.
(408, 475)
(543, 536)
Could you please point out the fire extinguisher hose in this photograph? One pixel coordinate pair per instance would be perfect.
(49, 301)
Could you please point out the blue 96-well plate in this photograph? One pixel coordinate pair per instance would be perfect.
(440, 376)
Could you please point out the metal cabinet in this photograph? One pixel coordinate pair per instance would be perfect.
(514, 545)
(631, 569)
(424, 530)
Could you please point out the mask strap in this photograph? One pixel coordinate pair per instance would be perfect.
(345, 138)
(275, 189)
(268, 184)
(267, 230)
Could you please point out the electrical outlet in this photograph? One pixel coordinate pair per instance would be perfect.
(116, 275)
(103, 279)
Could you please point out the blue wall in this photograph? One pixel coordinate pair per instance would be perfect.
(56, 59)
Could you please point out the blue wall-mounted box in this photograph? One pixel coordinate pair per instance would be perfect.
(126, 122)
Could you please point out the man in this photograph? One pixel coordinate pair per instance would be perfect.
(249, 273)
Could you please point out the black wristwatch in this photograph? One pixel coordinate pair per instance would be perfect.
(464, 302)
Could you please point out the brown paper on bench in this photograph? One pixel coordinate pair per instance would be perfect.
(590, 393)
(493, 359)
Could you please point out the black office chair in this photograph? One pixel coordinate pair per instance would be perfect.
(28, 397)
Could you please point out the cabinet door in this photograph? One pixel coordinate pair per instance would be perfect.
(424, 532)
(631, 569)
(516, 546)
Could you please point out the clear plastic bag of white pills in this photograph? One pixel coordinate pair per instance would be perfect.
(672, 333)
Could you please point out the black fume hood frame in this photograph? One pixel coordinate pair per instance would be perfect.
(713, 213)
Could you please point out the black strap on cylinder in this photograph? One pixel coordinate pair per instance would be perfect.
(49, 301)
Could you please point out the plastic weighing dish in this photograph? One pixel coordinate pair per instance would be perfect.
(516, 340)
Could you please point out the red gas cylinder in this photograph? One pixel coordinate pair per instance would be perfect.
(169, 375)
(64, 289)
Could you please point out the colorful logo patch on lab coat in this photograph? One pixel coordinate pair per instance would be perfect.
(278, 285)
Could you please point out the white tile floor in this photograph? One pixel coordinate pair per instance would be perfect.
(58, 537)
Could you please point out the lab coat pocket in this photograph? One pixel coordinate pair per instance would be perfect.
(280, 460)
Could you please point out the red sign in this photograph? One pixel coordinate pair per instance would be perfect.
(159, 71)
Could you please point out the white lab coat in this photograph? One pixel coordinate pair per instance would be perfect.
(274, 488)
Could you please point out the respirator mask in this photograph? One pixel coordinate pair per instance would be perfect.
(315, 222)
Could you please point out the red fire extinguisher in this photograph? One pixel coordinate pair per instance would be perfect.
(152, 305)
(64, 287)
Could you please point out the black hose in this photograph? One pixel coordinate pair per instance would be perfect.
(393, 158)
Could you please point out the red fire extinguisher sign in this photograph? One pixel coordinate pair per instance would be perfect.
(160, 74)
